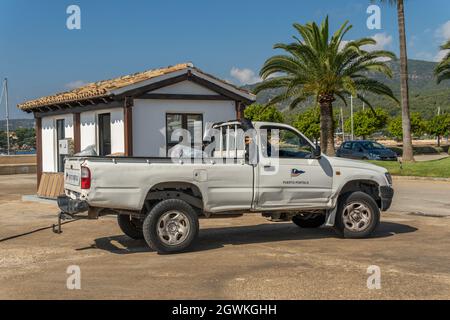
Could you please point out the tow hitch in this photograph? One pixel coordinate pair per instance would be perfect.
(69, 208)
(61, 217)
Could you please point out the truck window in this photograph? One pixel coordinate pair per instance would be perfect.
(284, 143)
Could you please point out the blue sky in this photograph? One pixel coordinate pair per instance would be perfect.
(230, 39)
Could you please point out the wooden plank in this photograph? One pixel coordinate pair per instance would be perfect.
(52, 185)
(54, 188)
(42, 185)
(51, 180)
(60, 189)
(128, 126)
(76, 133)
(169, 96)
(92, 107)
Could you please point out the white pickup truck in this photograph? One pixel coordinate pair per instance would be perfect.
(275, 170)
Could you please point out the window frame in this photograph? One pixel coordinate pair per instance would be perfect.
(100, 132)
(271, 127)
(184, 125)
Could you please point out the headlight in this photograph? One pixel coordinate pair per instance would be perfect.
(388, 177)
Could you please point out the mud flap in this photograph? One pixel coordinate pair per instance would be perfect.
(331, 217)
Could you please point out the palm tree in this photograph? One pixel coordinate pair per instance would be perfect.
(404, 89)
(326, 68)
(442, 71)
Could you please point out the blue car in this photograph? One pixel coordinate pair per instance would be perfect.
(365, 150)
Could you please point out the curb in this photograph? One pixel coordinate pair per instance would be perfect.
(35, 198)
(420, 178)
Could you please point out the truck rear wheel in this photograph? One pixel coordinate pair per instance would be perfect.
(308, 222)
(130, 226)
(171, 226)
(357, 216)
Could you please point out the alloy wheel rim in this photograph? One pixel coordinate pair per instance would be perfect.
(357, 216)
(173, 227)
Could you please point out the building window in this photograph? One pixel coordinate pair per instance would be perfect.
(104, 134)
(184, 121)
(60, 134)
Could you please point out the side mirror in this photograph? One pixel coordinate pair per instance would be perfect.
(317, 153)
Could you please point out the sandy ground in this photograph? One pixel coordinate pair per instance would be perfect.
(239, 258)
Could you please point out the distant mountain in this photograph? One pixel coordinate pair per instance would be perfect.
(17, 123)
(425, 94)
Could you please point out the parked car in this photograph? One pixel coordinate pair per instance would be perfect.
(160, 200)
(365, 150)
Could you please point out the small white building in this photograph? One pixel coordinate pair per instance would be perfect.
(133, 115)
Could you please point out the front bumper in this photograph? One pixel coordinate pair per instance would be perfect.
(72, 206)
(386, 195)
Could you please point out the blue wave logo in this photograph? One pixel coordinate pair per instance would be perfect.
(296, 173)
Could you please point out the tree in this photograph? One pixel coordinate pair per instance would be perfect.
(404, 89)
(366, 122)
(3, 140)
(308, 123)
(418, 126)
(442, 71)
(26, 136)
(258, 112)
(439, 126)
(326, 68)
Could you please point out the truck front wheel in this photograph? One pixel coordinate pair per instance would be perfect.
(171, 226)
(130, 226)
(357, 216)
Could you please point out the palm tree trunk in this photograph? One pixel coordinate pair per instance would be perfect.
(327, 124)
(406, 120)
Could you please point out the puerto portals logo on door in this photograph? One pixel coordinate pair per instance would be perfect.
(295, 173)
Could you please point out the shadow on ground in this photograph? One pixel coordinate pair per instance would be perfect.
(215, 238)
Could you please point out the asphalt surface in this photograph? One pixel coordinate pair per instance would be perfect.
(237, 258)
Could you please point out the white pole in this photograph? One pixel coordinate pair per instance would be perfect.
(7, 113)
(351, 115)
(364, 104)
(439, 111)
(342, 125)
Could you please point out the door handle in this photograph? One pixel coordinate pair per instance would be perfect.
(267, 165)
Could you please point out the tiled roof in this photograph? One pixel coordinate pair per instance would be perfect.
(99, 89)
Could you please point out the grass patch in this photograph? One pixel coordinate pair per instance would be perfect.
(434, 168)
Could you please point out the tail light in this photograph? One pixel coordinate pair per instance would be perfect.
(85, 178)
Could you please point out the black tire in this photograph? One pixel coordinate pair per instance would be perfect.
(130, 226)
(370, 208)
(309, 223)
(152, 226)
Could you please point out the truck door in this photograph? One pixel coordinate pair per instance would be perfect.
(228, 175)
(288, 175)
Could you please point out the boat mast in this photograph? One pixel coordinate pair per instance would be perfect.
(7, 113)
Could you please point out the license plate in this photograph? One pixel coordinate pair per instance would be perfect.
(72, 177)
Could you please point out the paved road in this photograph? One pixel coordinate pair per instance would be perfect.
(422, 197)
(239, 258)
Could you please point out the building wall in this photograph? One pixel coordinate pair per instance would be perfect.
(149, 116)
(89, 132)
(49, 161)
(149, 121)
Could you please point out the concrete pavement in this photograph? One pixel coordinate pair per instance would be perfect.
(422, 197)
(238, 258)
